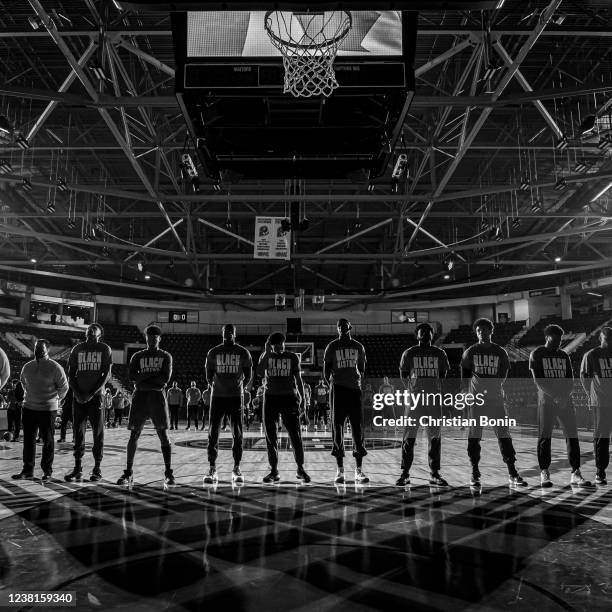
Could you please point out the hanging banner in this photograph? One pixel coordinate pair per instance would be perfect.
(271, 240)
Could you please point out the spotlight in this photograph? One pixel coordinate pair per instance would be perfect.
(371, 187)
(395, 282)
(557, 259)
(34, 22)
(559, 19)
(228, 225)
(105, 251)
(498, 234)
(524, 186)
(357, 226)
(71, 223)
(484, 226)
(26, 184)
(50, 207)
(516, 223)
(216, 186)
(22, 142)
(147, 277)
(536, 207)
(140, 266)
(450, 263)
(490, 72)
(5, 126)
(61, 184)
(605, 143)
(582, 166)
(33, 260)
(562, 143)
(400, 167)
(446, 277)
(5, 166)
(188, 166)
(98, 71)
(588, 124)
(99, 225)
(560, 185)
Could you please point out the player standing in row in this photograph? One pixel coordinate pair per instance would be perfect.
(175, 401)
(344, 367)
(596, 369)
(229, 368)
(322, 404)
(193, 405)
(422, 369)
(284, 396)
(150, 370)
(552, 373)
(484, 368)
(89, 368)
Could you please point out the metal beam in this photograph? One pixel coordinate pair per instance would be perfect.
(349, 238)
(524, 83)
(543, 20)
(147, 58)
(225, 231)
(154, 239)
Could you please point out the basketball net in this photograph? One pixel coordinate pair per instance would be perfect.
(309, 44)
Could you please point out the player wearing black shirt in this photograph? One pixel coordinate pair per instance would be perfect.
(284, 396)
(422, 369)
(484, 368)
(552, 373)
(596, 378)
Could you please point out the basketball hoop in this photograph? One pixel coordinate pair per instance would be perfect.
(309, 44)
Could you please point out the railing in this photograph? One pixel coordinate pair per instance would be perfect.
(266, 329)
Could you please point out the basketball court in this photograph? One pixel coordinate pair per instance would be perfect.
(355, 178)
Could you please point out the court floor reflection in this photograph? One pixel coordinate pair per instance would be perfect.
(315, 547)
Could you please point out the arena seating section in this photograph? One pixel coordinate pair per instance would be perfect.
(578, 324)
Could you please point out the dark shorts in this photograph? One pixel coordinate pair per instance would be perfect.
(149, 405)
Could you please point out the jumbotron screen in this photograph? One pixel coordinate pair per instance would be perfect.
(242, 33)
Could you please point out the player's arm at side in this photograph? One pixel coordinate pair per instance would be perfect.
(297, 376)
(405, 370)
(61, 383)
(586, 373)
(262, 366)
(247, 367)
(72, 372)
(504, 365)
(210, 368)
(466, 370)
(328, 364)
(567, 384)
(361, 360)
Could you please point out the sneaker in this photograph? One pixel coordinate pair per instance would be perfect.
(212, 476)
(600, 478)
(60, 440)
(15, 439)
(47, 476)
(22, 476)
(96, 474)
(577, 480)
(76, 475)
(126, 479)
(169, 478)
(339, 476)
(545, 481)
(237, 475)
(516, 480)
(360, 477)
(187, 428)
(273, 476)
(475, 479)
(403, 480)
(437, 480)
(302, 475)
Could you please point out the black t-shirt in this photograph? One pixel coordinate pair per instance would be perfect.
(489, 364)
(597, 365)
(426, 365)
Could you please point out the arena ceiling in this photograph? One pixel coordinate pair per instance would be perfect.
(96, 200)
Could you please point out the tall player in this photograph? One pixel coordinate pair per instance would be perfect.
(422, 368)
(596, 369)
(552, 373)
(89, 368)
(284, 396)
(229, 368)
(344, 367)
(484, 368)
(150, 370)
